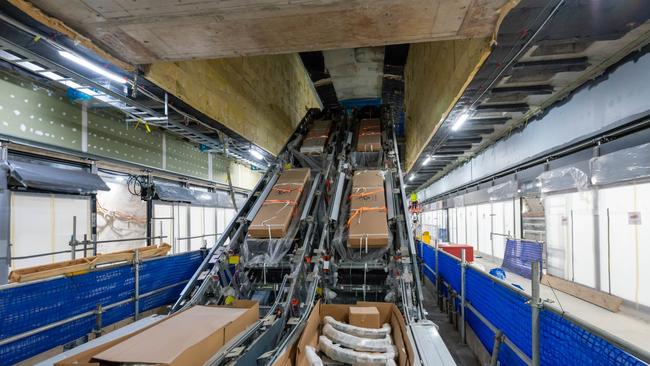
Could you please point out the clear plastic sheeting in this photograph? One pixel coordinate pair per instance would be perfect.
(339, 241)
(503, 191)
(272, 250)
(623, 165)
(173, 193)
(55, 179)
(562, 179)
(366, 160)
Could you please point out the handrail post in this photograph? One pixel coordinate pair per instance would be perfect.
(498, 338)
(438, 281)
(535, 305)
(73, 238)
(463, 265)
(136, 300)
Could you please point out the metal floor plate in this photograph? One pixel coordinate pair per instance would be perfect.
(431, 348)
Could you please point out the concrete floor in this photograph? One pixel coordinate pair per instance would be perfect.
(462, 354)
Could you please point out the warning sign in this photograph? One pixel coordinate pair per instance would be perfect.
(634, 218)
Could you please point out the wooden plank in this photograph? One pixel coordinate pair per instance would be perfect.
(599, 298)
(83, 265)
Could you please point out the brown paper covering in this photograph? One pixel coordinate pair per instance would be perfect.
(277, 211)
(367, 223)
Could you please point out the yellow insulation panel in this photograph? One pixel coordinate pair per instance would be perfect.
(262, 97)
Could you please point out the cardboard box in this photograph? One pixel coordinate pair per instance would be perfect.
(364, 316)
(369, 143)
(369, 122)
(279, 208)
(189, 337)
(367, 223)
(368, 179)
(368, 229)
(388, 313)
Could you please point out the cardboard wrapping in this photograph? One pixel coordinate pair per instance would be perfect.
(388, 313)
(316, 139)
(364, 316)
(189, 337)
(367, 222)
(369, 136)
(279, 207)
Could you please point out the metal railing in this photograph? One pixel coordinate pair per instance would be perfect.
(536, 305)
(100, 309)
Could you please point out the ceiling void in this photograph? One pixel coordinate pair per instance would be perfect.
(147, 31)
(356, 73)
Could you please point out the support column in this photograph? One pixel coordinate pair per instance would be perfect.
(149, 200)
(5, 212)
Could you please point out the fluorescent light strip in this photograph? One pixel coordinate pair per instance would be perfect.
(427, 160)
(52, 75)
(90, 66)
(459, 122)
(30, 66)
(71, 84)
(9, 56)
(256, 154)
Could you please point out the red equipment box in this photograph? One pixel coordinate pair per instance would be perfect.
(455, 250)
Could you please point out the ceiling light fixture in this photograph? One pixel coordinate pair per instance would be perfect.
(459, 121)
(427, 160)
(256, 154)
(411, 177)
(90, 66)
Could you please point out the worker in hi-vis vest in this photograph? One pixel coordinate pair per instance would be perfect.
(414, 201)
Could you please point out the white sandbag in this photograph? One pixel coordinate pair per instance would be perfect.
(358, 343)
(359, 331)
(312, 357)
(338, 353)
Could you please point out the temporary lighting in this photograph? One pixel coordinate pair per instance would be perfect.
(411, 177)
(459, 122)
(90, 66)
(256, 154)
(427, 160)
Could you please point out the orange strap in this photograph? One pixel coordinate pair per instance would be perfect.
(286, 190)
(316, 137)
(360, 210)
(288, 202)
(365, 194)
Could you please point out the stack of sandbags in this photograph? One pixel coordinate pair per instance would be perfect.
(367, 222)
(369, 137)
(314, 142)
(277, 211)
(352, 343)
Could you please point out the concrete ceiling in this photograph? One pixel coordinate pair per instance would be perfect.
(357, 72)
(147, 31)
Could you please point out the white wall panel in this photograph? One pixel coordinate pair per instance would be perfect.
(42, 223)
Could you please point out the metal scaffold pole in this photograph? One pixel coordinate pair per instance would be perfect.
(535, 305)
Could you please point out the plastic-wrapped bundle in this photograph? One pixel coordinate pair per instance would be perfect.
(312, 357)
(371, 333)
(344, 355)
(366, 160)
(339, 242)
(358, 343)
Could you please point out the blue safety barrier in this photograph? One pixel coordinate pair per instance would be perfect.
(562, 342)
(520, 254)
(29, 306)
